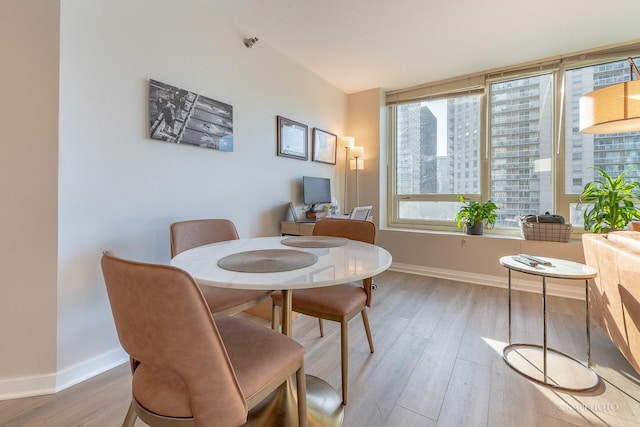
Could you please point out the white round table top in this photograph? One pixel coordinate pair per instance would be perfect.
(341, 264)
(559, 268)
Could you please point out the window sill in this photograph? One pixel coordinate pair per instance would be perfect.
(501, 234)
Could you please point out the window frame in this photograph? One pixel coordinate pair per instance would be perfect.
(396, 199)
(552, 71)
(481, 84)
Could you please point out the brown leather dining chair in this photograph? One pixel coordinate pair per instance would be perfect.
(338, 303)
(189, 369)
(192, 233)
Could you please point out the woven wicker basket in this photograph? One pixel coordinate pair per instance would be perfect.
(550, 232)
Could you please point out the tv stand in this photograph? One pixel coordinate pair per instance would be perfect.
(290, 228)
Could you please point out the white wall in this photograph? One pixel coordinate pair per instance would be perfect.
(119, 190)
(364, 124)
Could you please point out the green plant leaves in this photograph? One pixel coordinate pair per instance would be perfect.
(471, 212)
(613, 202)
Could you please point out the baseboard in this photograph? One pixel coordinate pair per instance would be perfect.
(16, 388)
(90, 368)
(534, 286)
(52, 383)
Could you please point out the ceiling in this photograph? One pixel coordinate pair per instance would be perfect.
(363, 44)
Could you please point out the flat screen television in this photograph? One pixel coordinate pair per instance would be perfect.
(316, 191)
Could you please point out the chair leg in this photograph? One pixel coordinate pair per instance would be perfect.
(365, 320)
(301, 385)
(321, 325)
(130, 418)
(344, 345)
(275, 317)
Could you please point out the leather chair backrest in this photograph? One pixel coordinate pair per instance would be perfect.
(163, 320)
(363, 231)
(189, 234)
(352, 229)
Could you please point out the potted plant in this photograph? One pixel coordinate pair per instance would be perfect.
(613, 202)
(472, 216)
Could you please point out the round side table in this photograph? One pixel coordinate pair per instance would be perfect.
(558, 269)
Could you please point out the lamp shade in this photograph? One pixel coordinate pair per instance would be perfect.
(352, 164)
(612, 109)
(357, 151)
(348, 141)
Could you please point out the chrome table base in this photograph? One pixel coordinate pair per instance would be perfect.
(545, 380)
(591, 380)
(324, 406)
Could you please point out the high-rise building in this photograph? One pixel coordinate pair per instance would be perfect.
(428, 151)
(463, 145)
(579, 146)
(416, 153)
(521, 147)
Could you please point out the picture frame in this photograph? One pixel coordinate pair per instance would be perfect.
(324, 146)
(183, 117)
(293, 139)
(360, 212)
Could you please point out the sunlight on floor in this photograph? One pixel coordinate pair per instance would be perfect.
(579, 407)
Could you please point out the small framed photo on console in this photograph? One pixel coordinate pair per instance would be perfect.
(360, 212)
(324, 146)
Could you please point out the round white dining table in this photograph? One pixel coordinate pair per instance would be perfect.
(351, 261)
(335, 262)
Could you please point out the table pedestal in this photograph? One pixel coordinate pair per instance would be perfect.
(324, 406)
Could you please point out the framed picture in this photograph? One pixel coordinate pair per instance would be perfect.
(360, 212)
(183, 117)
(292, 139)
(324, 146)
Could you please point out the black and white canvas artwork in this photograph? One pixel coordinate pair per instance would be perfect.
(177, 115)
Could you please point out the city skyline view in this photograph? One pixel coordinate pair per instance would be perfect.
(438, 146)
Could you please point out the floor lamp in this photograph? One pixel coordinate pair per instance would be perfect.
(357, 163)
(347, 143)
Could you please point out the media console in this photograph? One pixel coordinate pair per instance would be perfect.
(291, 228)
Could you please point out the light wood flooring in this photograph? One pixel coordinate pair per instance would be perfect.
(438, 362)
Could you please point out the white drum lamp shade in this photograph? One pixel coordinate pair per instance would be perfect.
(612, 109)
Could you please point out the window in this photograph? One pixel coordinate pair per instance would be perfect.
(435, 141)
(612, 152)
(520, 120)
(497, 137)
